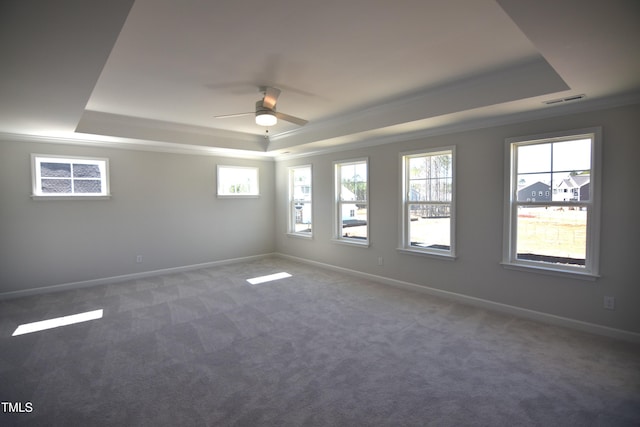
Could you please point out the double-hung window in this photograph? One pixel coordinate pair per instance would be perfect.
(352, 201)
(69, 177)
(552, 202)
(428, 202)
(300, 212)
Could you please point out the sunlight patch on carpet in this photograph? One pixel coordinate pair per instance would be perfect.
(268, 278)
(42, 325)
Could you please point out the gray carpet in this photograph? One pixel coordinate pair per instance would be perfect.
(205, 348)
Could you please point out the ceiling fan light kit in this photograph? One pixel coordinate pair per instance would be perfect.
(266, 119)
(266, 114)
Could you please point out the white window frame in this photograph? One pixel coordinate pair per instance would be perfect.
(337, 221)
(36, 177)
(252, 176)
(294, 202)
(593, 206)
(405, 202)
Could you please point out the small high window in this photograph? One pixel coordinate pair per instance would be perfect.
(238, 181)
(71, 177)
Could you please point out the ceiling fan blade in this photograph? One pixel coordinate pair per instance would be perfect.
(270, 97)
(227, 116)
(296, 120)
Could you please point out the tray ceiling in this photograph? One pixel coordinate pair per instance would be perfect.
(155, 73)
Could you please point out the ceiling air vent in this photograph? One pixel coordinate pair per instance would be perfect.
(567, 99)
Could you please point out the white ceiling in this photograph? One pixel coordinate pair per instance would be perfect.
(154, 73)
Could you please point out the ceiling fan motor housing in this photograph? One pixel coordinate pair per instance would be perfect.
(261, 109)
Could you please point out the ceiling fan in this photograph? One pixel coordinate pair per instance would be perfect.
(266, 114)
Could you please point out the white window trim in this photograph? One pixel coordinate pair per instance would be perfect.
(509, 258)
(291, 200)
(337, 211)
(404, 245)
(36, 178)
(223, 195)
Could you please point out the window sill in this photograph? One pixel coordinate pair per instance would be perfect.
(351, 242)
(441, 256)
(306, 236)
(550, 271)
(238, 196)
(69, 197)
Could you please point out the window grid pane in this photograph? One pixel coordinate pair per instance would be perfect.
(430, 226)
(86, 171)
(552, 234)
(56, 186)
(354, 221)
(55, 170)
(301, 217)
(354, 182)
(87, 186)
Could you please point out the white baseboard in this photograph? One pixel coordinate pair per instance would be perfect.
(482, 303)
(125, 277)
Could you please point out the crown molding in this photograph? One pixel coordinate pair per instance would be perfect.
(349, 142)
(137, 145)
(365, 139)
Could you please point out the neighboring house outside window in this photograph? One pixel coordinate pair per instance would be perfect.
(428, 202)
(300, 203)
(575, 187)
(534, 192)
(351, 192)
(559, 231)
(69, 177)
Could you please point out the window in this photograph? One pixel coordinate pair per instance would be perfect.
(300, 212)
(557, 233)
(352, 206)
(428, 195)
(238, 181)
(75, 177)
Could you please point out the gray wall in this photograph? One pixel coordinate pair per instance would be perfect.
(477, 271)
(163, 207)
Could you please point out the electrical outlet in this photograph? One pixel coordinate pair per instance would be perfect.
(609, 303)
(139, 259)
(380, 261)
